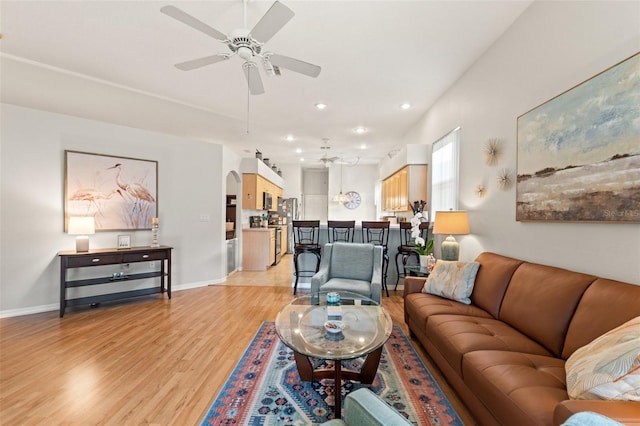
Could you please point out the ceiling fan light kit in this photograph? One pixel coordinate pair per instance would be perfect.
(248, 45)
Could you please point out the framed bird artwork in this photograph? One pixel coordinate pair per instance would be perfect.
(120, 193)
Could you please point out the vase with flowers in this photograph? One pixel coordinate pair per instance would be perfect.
(420, 246)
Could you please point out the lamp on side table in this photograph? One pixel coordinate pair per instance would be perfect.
(82, 226)
(451, 223)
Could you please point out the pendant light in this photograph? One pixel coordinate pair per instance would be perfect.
(340, 198)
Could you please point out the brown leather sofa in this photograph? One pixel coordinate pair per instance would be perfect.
(504, 354)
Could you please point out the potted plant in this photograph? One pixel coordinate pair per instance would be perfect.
(420, 246)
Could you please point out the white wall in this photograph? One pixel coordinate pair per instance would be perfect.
(292, 177)
(552, 47)
(191, 185)
(361, 179)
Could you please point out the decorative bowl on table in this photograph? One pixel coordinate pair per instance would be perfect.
(333, 326)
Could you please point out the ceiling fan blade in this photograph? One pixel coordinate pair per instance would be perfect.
(275, 18)
(201, 62)
(189, 20)
(295, 65)
(254, 81)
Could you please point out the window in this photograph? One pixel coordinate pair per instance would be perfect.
(444, 173)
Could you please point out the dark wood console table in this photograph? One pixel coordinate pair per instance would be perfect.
(73, 259)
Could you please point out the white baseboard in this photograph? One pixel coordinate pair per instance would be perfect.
(30, 310)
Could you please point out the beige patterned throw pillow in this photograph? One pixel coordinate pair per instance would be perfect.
(609, 367)
(452, 280)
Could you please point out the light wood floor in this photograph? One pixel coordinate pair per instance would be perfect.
(146, 361)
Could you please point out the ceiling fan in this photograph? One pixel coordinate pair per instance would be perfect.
(248, 45)
(327, 161)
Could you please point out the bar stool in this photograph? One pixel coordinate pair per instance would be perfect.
(405, 249)
(306, 235)
(377, 233)
(341, 230)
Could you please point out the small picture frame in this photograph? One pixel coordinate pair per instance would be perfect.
(124, 242)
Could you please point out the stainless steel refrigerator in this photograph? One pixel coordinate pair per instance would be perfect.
(289, 210)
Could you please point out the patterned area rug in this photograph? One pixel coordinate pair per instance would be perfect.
(265, 389)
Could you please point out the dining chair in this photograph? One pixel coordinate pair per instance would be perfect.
(405, 249)
(377, 233)
(340, 231)
(306, 240)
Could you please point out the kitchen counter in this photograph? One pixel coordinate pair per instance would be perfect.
(258, 248)
(263, 229)
(256, 229)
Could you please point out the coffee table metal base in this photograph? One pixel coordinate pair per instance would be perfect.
(366, 375)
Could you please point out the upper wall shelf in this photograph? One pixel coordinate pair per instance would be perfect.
(256, 166)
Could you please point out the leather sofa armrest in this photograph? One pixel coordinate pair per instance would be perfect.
(413, 285)
(625, 412)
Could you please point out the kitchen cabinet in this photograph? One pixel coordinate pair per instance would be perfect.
(258, 248)
(253, 186)
(403, 187)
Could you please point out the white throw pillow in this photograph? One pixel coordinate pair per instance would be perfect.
(608, 367)
(452, 280)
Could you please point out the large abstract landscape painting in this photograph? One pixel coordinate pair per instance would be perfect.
(119, 192)
(579, 153)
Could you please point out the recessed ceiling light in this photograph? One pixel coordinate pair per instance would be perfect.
(301, 159)
(360, 130)
(405, 105)
(363, 146)
(290, 138)
(298, 150)
(321, 106)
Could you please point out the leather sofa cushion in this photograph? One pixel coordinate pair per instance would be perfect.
(492, 280)
(604, 306)
(517, 388)
(422, 305)
(457, 335)
(541, 300)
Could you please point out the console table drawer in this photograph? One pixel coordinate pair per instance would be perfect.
(98, 259)
(143, 256)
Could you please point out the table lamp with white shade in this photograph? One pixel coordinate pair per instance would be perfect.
(82, 226)
(454, 222)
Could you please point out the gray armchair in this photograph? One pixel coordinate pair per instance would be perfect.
(350, 267)
(364, 408)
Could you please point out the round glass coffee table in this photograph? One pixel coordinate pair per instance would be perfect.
(366, 326)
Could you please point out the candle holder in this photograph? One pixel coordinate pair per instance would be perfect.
(154, 232)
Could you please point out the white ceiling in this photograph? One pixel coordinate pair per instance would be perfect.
(113, 61)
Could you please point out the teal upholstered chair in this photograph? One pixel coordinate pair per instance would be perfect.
(365, 408)
(353, 267)
(588, 418)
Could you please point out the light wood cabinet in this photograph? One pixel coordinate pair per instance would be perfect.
(404, 186)
(253, 186)
(258, 248)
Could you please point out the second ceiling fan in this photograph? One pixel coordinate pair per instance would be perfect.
(248, 45)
